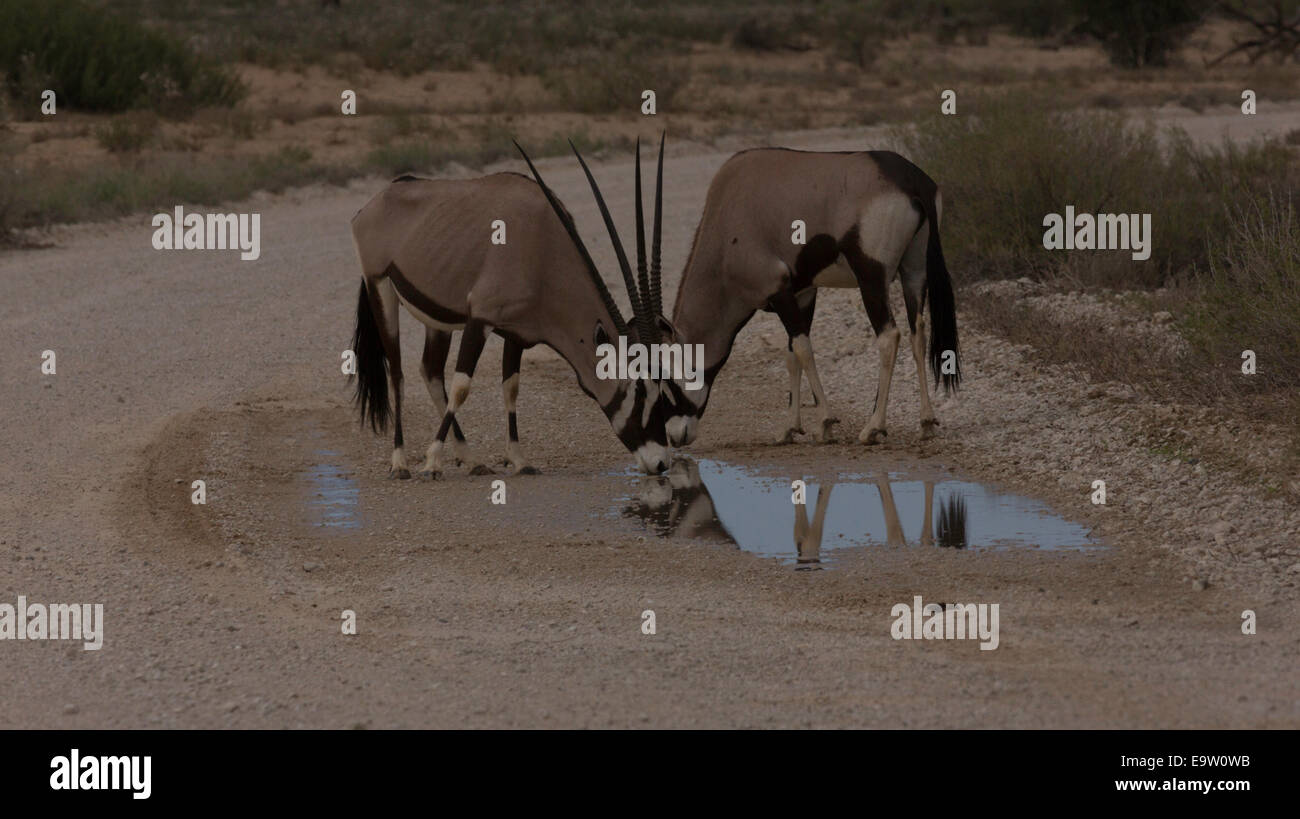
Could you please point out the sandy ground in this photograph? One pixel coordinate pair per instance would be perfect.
(180, 366)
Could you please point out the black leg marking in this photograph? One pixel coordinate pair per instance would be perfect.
(807, 307)
(511, 358)
(471, 347)
(437, 344)
(797, 320)
(786, 307)
(873, 281)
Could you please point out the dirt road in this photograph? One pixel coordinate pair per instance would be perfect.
(176, 366)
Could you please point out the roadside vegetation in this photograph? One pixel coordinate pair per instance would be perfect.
(1224, 271)
(157, 97)
(100, 60)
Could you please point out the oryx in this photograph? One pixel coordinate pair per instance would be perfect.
(865, 215)
(428, 244)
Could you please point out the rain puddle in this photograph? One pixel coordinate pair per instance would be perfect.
(714, 500)
(332, 494)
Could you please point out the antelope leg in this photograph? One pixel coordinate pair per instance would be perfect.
(471, 347)
(510, 363)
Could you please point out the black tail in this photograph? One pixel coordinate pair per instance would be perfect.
(943, 307)
(371, 395)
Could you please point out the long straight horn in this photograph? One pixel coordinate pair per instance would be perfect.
(565, 219)
(656, 305)
(643, 281)
(638, 313)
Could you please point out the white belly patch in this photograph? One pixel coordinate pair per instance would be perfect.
(427, 320)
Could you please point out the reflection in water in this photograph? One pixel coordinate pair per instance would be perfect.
(952, 522)
(808, 539)
(713, 500)
(333, 494)
(678, 503)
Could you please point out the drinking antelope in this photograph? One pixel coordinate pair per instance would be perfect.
(427, 243)
(867, 214)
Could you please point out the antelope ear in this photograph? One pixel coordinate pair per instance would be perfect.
(666, 329)
(600, 336)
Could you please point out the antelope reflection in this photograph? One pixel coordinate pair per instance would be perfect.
(680, 504)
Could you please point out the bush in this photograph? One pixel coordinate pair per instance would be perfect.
(1033, 18)
(11, 186)
(1138, 33)
(95, 60)
(1008, 162)
(128, 133)
(593, 81)
(1250, 295)
(43, 196)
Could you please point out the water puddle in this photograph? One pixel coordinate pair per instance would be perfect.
(714, 500)
(332, 493)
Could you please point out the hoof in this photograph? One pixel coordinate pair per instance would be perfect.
(482, 469)
(825, 436)
(399, 474)
(430, 475)
(871, 437)
(787, 437)
(528, 470)
(927, 429)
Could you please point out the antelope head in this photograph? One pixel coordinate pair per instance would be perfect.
(634, 406)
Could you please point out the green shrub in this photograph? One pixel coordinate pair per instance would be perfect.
(95, 60)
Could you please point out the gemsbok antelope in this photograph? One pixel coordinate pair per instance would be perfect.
(426, 243)
(865, 215)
